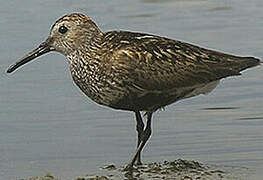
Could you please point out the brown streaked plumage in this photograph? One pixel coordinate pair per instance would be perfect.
(135, 71)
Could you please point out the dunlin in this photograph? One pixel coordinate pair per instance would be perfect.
(135, 71)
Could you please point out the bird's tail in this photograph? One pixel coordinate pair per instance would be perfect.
(233, 65)
(247, 62)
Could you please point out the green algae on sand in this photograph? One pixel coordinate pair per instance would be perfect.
(169, 170)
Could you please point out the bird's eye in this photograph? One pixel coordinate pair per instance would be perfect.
(62, 29)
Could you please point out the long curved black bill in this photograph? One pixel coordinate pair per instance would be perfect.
(42, 49)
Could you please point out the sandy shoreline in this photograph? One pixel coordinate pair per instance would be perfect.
(170, 170)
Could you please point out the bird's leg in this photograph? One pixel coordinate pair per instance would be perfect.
(139, 128)
(145, 136)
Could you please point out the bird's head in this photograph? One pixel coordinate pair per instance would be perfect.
(69, 33)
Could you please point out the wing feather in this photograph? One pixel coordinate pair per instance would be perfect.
(156, 63)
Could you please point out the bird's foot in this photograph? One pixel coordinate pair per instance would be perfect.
(128, 168)
(129, 171)
(138, 163)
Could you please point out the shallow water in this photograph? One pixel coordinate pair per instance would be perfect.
(47, 125)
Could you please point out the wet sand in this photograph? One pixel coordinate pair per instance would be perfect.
(170, 170)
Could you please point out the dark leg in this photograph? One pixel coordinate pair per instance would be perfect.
(139, 128)
(145, 136)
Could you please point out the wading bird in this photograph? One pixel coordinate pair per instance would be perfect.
(135, 71)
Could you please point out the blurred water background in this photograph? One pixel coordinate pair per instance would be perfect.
(48, 125)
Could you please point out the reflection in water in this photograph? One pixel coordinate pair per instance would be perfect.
(139, 15)
(156, 1)
(167, 1)
(220, 108)
(251, 118)
(226, 8)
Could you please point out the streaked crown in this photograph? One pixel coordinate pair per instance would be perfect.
(73, 32)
